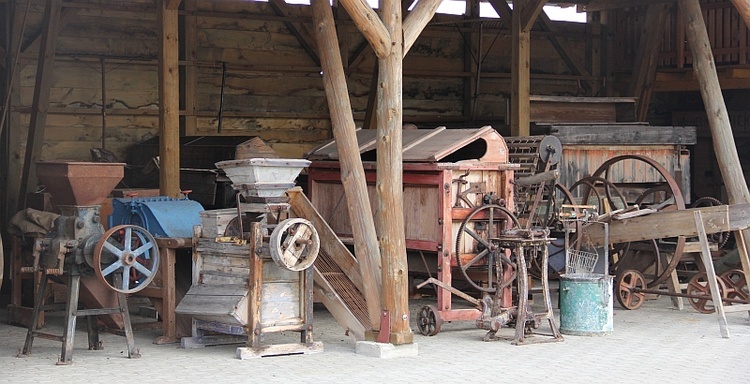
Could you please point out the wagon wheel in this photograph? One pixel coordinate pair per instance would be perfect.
(604, 192)
(720, 238)
(126, 254)
(429, 321)
(483, 224)
(736, 284)
(556, 259)
(677, 202)
(627, 285)
(698, 286)
(294, 244)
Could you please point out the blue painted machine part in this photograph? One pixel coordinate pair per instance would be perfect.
(162, 216)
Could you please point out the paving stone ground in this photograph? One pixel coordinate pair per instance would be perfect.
(652, 344)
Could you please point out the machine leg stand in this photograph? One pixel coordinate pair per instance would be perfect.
(38, 303)
(133, 353)
(71, 308)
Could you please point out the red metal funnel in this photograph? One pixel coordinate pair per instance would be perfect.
(78, 182)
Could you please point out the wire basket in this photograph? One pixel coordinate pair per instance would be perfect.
(580, 262)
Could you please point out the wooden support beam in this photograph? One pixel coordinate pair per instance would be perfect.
(718, 118)
(282, 9)
(352, 172)
(190, 79)
(743, 7)
(40, 103)
(502, 8)
(368, 22)
(644, 74)
(169, 101)
(66, 16)
(389, 182)
(172, 4)
(415, 22)
(520, 74)
(713, 100)
(563, 48)
(10, 119)
(530, 13)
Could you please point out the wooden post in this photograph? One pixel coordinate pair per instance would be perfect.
(520, 74)
(718, 117)
(389, 183)
(40, 103)
(352, 172)
(716, 109)
(169, 102)
(190, 46)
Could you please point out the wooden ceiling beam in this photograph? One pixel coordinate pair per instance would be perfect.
(370, 25)
(604, 5)
(415, 22)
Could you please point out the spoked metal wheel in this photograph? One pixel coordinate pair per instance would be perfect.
(627, 286)
(475, 253)
(736, 284)
(126, 258)
(429, 321)
(698, 286)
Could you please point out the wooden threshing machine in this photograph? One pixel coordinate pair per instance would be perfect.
(255, 278)
(454, 180)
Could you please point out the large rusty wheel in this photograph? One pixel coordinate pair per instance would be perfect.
(698, 286)
(627, 286)
(126, 258)
(474, 250)
(429, 321)
(665, 195)
(736, 284)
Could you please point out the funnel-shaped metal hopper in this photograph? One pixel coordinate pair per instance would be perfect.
(263, 177)
(78, 182)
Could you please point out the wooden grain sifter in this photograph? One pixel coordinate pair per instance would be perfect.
(254, 282)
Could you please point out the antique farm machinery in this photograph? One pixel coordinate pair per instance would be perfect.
(255, 278)
(123, 259)
(627, 187)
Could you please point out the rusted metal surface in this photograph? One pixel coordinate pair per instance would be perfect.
(77, 182)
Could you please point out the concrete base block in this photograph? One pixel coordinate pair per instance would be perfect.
(386, 351)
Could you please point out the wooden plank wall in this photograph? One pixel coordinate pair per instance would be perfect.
(727, 32)
(273, 87)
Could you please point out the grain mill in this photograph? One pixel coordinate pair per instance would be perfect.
(256, 280)
(124, 259)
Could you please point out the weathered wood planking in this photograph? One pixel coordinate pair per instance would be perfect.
(623, 134)
(662, 225)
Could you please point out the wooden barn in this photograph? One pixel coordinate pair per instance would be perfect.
(81, 76)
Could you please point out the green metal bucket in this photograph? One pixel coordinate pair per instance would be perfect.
(586, 304)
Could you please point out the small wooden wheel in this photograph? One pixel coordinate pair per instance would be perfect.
(429, 320)
(628, 284)
(294, 244)
(126, 258)
(698, 286)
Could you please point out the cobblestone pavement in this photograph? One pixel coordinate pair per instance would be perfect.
(652, 344)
